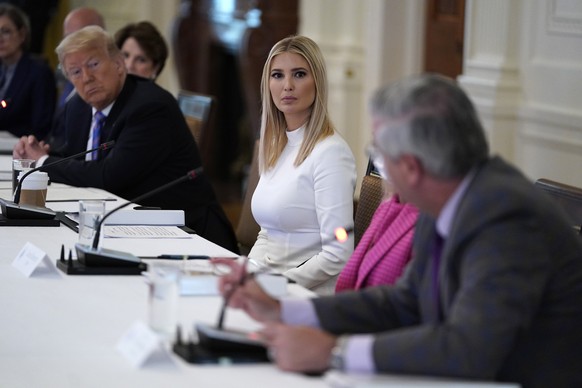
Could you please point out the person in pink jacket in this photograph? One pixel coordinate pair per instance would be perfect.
(385, 247)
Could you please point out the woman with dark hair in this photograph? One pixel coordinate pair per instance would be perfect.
(144, 49)
(27, 85)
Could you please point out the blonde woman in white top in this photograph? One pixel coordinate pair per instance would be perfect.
(307, 171)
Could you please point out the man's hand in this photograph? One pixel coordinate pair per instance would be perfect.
(298, 348)
(248, 296)
(28, 147)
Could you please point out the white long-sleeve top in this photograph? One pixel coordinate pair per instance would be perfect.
(299, 208)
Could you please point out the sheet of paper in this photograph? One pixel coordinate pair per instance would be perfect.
(143, 247)
(144, 231)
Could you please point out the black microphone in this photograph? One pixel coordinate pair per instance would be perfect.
(340, 234)
(102, 257)
(101, 147)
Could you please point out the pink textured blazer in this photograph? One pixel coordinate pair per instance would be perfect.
(385, 247)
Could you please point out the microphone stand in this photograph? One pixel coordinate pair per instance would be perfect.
(100, 257)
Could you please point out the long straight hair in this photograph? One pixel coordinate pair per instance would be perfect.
(273, 124)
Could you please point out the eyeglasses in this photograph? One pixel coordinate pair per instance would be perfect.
(6, 33)
(377, 160)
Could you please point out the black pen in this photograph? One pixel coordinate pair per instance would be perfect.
(184, 257)
(244, 276)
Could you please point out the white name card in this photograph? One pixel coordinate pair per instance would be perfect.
(138, 344)
(29, 258)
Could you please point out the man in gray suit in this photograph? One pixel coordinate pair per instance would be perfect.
(494, 289)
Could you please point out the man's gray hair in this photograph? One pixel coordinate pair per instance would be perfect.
(430, 117)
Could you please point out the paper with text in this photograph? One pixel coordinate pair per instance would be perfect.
(143, 231)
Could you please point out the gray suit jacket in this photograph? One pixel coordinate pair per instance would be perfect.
(510, 291)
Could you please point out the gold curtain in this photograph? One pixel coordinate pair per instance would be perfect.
(54, 33)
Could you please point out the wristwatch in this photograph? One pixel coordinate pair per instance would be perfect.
(336, 360)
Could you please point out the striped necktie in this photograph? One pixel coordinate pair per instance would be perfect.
(95, 139)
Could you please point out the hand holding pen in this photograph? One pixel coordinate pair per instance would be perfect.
(241, 290)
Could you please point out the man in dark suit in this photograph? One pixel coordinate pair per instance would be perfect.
(494, 289)
(153, 144)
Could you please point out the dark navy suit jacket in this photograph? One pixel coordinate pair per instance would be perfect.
(510, 287)
(153, 147)
(31, 99)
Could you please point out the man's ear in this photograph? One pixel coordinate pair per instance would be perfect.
(120, 64)
(413, 168)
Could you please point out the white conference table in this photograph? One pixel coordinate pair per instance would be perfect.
(60, 330)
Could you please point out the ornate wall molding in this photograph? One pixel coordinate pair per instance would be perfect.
(564, 17)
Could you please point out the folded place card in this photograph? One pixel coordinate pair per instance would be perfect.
(138, 343)
(29, 258)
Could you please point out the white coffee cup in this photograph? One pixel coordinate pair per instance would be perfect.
(33, 188)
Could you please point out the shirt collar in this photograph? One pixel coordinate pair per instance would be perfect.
(447, 215)
(295, 137)
(105, 110)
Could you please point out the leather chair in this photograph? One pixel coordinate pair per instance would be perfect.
(568, 197)
(197, 109)
(371, 194)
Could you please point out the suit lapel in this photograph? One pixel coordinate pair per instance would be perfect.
(425, 231)
(78, 123)
(464, 222)
(108, 131)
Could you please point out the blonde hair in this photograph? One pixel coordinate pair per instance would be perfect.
(87, 38)
(273, 124)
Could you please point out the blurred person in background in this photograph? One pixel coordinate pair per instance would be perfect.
(143, 48)
(27, 84)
